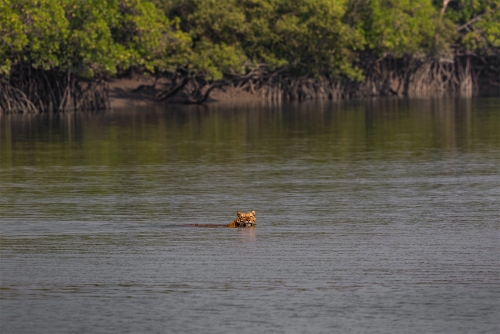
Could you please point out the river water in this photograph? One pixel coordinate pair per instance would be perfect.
(372, 217)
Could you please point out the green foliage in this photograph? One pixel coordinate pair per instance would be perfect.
(261, 39)
(12, 36)
(307, 36)
(313, 38)
(215, 28)
(215, 59)
(212, 37)
(45, 27)
(479, 24)
(89, 47)
(142, 31)
(88, 37)
(217, 20)
(401, 27)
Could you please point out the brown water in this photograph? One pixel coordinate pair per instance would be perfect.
(372, 217)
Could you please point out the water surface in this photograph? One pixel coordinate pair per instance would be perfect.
(373, 217)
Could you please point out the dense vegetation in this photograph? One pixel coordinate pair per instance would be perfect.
(57, 54)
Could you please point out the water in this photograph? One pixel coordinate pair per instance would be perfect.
(372, 217)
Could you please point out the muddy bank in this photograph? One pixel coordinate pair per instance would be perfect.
(383, 78)
(144, 91)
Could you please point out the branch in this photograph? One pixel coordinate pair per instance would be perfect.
(474, 20)
(164, 95)
(445, 4)
(207, 93)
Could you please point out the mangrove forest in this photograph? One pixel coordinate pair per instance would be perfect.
(60, 55)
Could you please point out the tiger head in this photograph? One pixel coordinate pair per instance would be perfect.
(246, 219)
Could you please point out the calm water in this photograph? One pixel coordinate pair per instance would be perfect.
(373, 217)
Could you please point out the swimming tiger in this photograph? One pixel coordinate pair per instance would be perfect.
(242, 220)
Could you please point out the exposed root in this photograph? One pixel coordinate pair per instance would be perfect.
(30, 91)
(13, 99)
(414, 77)
(419, 78)
(33, 91)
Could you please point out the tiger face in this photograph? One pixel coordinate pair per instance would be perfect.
(247, 219)
(244, 220)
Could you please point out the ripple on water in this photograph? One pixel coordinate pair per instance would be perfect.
(371, 218)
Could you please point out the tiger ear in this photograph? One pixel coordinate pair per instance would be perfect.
(238, 213)
(253, 213)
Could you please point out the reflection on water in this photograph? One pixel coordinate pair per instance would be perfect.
(372, 216)
(247, 235)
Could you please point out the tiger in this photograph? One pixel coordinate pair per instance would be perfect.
(242, 220)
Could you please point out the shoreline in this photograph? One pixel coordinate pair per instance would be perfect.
(138, 90)
(141, 91)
